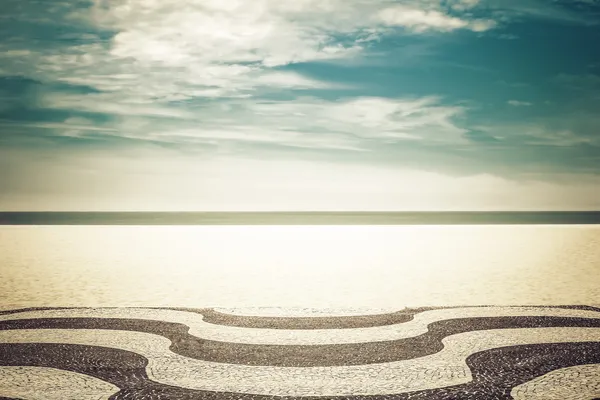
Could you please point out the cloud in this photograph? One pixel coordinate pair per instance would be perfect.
(463, 5)
(160, 181)
(518, 103)
(160, 51)
(74, 126)
(557, 137)
(420, 20)
(107, 103)
(562, 11)
(231, 76)
(563, 131)
(397, 119)
(17, 53)
(289, 79)
(309, 122)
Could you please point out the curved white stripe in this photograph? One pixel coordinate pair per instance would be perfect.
(581, 382)
(304, 312)
(233, 334)
(40, 383)
(444, 368)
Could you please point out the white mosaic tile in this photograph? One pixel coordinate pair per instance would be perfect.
(232, 334)
(304, 312)
(442, 369)
(581, 382)
(39, 383)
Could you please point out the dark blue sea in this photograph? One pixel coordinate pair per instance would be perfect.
(299, 218)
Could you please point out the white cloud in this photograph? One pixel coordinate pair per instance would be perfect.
(557, 10)
(108, 103)
(343, 124)
(463, 5)
(545, 133)
(268, 32)
(420, 20)
(165, 51)
(160, 181)
(291, 80)
(65, 128)
(518, 103)
(482, 25)
(385, 118)
(17, 53)
(240, 134)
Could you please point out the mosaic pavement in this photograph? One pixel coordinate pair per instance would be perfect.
(257, 354)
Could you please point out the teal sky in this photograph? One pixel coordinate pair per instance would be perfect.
(303, 105)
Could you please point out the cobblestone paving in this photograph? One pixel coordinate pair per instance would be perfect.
(572, 383)
(184, 344)
(305, 318)
(232, 334)
(462, 353)
(39, 383)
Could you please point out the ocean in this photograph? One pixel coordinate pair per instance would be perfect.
(295, 260)
(300, 218)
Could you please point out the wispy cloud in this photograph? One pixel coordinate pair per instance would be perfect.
(108, 103)
(343, 124)
(151, 181)
(419, 20)
(540, 132)
(563, 11)
(519, 103)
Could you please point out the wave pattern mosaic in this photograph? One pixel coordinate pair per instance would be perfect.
(258, 354)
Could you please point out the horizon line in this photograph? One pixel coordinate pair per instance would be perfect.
(300, 218)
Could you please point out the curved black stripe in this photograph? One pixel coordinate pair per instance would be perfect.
(339, 322)
(580, 307)
(297, 355)
(20, 310)
(495, 372)
(122, 368)
(359, 321)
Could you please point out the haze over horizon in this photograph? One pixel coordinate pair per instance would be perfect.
(231, 105)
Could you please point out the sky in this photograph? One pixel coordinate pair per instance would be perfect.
(299, 105)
